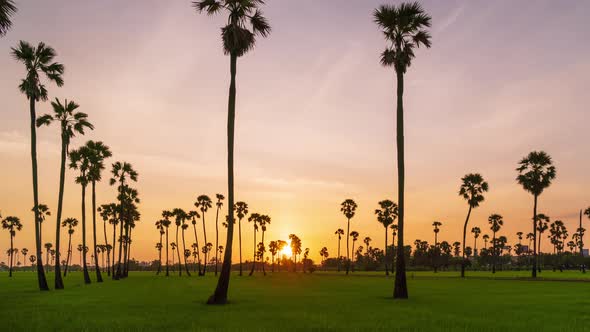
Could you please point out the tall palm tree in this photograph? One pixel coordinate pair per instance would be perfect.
(71, 123)
(436, 225)
(264, 221)
(496, 221)
(48, 247)
(542, 226)
(166, 224)
(160, 229)
(184, 226)
(273, 248)
(535, 173)
(204, 203)
(12, 225)
(120, 173)
(386, 215)
(194, 215)
(178, 216)
(98, 153)
(38, 61)
(473, 186)
(339, 232)
(476, 231)
(7, 9)
(44, 212)
(355, 236)
(485, 238)
(245, 22)
(218, 204)
(348, 208)
(70, 223)
(24, 252)
(108, 212)
(255, 219)
(404, 28)
(394, 229)
(80, 160)
(241, 209)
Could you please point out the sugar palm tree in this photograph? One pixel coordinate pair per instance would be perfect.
(108, 212)
(24, 252)
(160, 229)
(348, 208)
(367, 241)
(44, 212)
(496, 221)
(71, 224)
(530, 237)
(38, 61)
(535, 174)
(485, 240)
(476, 231)
(542, 226)
(264, 222)
(12, 225)
(7, 10)
(194, 215)
(394, 229)
(184, 227)
(245, 22)
(241, 209)
(519, 235)
(71, 123)
(204, 203)
(355, 236)
(48, 247)
(473, 186)
(255, 219)
(339, 232)
(121, 172)
(166, 224)
(436, 225)
(218, 204)
(178, 215)
(273, 248)
(404, 28)
(386, 215)
(173, 246)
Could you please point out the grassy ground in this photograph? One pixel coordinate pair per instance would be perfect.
(286, 301)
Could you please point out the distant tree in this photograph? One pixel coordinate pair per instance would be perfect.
(108, 213)
(324, 254)
(273, 249)
(71, 224)
(204, 203)
(339, 232)
(241, 209)
(542, 226)
(456, 248)
(264, 221)
(48, 247)
(386, 215)
(255, 219)
(295, 249)
(496, 221)
(218, 204)
(348, 208)
(436, 230)
(472, 189)
(194, 215)
(355, 236)
(535, 174)
(12, 225)
(24, 252)
(476, 231)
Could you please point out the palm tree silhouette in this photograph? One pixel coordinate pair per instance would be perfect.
(255, 218)
(218, 204)
(173, 246)
(542, 226)
(71, 123)
(166, 224)
(386, 215)
(7, 9)
(348, 208)
(12, 225)
(24, 252)
(178, 216)
(436, 225)
(476, 231)
(204, 203)
(295, 249)
(273, 248)
(496, 221)
(160, 228)
(194, 215)
(37, 60)
(404, 28)
(473, 186)
(355, 237)
(108, 212)
(184, 226)
(535, 173)
(241, 209)
(394, 229)
(44, 212)
(48, 247)
(245, 22)
(70, 223)
(264, 221)
(485, 240)
(339, 232)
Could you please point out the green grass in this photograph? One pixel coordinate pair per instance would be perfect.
(286, 301)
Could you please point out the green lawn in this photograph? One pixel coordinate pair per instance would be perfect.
(439, 302)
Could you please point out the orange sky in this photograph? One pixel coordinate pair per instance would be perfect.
(315, 121)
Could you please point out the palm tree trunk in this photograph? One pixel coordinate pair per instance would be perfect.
(98, 275)
(534, 275)
(59, 284)
(338, 260)
(393, 256)
(351, 260)
(494, 253)
(216, 239)
(539, 248)
(463, 262)
(11, 255)
(178, 253)
(160, 256)
(253, 256)
(262, 257)
(386, 268)
(128, 257)
(400, 290)
(85, 267)
(69, 253)
(206, 254)
(183, 255)
(347, 248)
(474, 246)
(40, 271)
(240, 242)
(114, 274)
(106, 243)
(167, 269)
(198, 248)
(220, 294)
(118, 274)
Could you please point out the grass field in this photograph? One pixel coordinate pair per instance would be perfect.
(285, 301)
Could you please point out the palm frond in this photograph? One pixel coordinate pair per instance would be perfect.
(7, 10)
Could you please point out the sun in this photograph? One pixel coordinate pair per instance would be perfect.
(286, 250)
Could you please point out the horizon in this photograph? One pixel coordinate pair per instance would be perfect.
(313, 127)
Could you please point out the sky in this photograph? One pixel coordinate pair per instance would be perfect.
(315, 117)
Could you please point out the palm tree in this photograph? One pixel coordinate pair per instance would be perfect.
(7, 9)
(37, 60)
(542, 226)
(535, 173)
(194, 215)
(255, 218)
(485, 240)
(166, 224)
(241, 209)
(264, 221)
(355, 237)
(404, 28)
(24, 252)
(178, 215)
(245, 22)
(386, 215)
(160, 228)
(519, 235)
(44, 212)
(273, 248)
(496, 221)
(48, 247)
(183, 217)
(339, 232)
(367, 241)
(295, 249)
(394, 229)
(204, 203)
(348, 208)
(12, 224)
(70, 223)
(108, 212)
(219, 204)
(476, 231)
(530, 237)
(473, 186)
(120, 172)
(436, 225)
(173, 246)
(71, 123)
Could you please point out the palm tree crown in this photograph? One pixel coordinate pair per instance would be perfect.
(37, 60)
(536, 171)
(472, 188)
(7, 9)
(71, 122)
